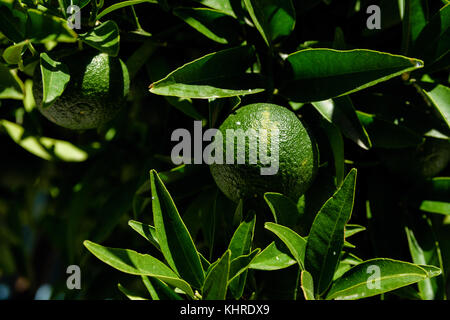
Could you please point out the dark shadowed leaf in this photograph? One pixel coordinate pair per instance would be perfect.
(159, 290)
(216, 282)
(10, 84)
(43, 27)
(129, 293)
(121, 5)
(284, 210)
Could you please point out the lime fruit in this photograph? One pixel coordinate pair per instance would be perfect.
(297, 158)
(96, 92)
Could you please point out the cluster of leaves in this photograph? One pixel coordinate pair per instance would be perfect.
(396, 133)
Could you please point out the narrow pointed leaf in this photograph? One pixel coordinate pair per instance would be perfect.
(240, 265)
(216, 75)
(104, 37)
(55, 78)
(364, 280)
(173, 237)
(121, 5)
(146, 231)
(132, 262)
(225, 6)
(336, 143)
(440, 98)
(295, 243)
(307, 285)
(10, 84)
(159, 290)
(351, 229)
(320, 74)
(326, 238)
(216, 282)
(43, 27)
(272, 258)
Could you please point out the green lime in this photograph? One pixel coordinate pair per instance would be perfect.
(290, 148)
(96, 92)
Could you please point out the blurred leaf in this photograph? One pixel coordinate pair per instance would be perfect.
(216, 75)
(272, 258)
(433, 42)
(215, 25)
(159, 290)
(13, 54)
(307, 285)
(43, 147)
(10, 84)
(43, 27)
(284, 210)
(340, 111)
(425, 250)
(216, 282)
(435, 207)
(440, 99)
(295, 243)
(13, 23)
(130, 294)
(55, 78)
(384, 134)
(121, 5)
(225, 6)
(132, 262)
(354, 284)
(320, 74)
(173, 237)
(337, 147)
(240, 244)
(326, 238)
(272, 18)
(104, 37)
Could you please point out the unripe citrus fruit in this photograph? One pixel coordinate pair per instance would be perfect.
(97, 90)
(297, 154)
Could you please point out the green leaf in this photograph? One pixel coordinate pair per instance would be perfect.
(10, 84)
(363, 280)
(159, 290)
(240, 244)
(284, 210)
(13, 23)
(130, 294)
(340, 111)
(240, 265)
(13, 54)
(214, 24)
(435, 207)
(295, 243)
(351, 229)
(326, 238)
(225, 6)
(425, 250)
(440, 99)
(321, 74)
(55, 78)
(104, 37)
(216, 75)
(146, 231)
(44, 147)
(272, 258)
(132, 262)
(433, 42)
(216, 282)
(121, 5)
(42, 27)
(307, 285)
(384, 134)
(173, 237)
(337, 147)
(272, 18)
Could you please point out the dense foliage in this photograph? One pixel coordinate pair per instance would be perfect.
(374, 223)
